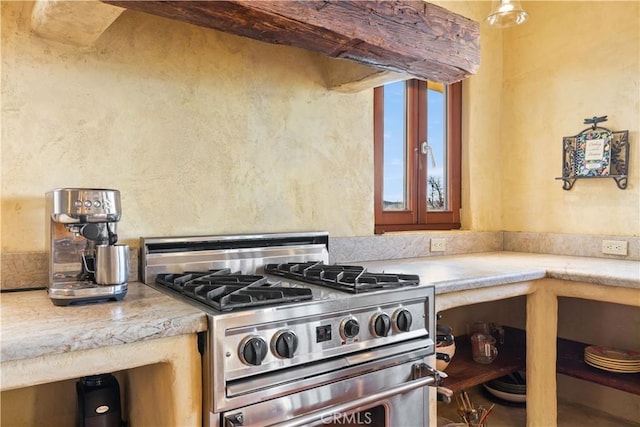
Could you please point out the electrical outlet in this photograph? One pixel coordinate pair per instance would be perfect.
(614, 247)
(438, 245)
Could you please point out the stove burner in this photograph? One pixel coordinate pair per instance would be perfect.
(225, 291)
(349, 278)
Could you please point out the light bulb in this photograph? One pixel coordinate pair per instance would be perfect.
(506, 13)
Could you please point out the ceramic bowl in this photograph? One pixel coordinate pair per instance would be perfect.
(509, 397)
(450, 350)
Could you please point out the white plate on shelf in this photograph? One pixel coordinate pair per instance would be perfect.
(509, 397)
(610, 354)
(612, 368)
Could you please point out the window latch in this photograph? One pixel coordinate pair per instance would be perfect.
(426, 149)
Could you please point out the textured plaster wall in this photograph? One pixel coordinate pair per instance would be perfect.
(202, 132)
(205, 132)
(536, 84)
(481, 124)
(571, 61)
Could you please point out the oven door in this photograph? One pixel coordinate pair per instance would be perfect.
(393, 391)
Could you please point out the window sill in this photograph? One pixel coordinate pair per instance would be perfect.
(381, 229)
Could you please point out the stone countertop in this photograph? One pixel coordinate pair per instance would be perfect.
(32, 326)
(472, 271)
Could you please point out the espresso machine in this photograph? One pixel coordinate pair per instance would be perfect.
(85, 263)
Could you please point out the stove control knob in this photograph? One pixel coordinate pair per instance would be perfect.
(349, 328)
(380, 325)
(284, 344)
(253, 350)
(403, 319)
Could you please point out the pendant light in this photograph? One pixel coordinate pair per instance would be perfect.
(506, 13)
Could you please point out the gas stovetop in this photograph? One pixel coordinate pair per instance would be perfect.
(225, 290)
(348, 278)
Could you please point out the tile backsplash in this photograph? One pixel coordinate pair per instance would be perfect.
(411, 245)
(587, 245)
(20, 270)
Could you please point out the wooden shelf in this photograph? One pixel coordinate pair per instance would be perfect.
(571, 362)
(464, 372)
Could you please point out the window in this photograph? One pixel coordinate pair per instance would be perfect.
(417, 133)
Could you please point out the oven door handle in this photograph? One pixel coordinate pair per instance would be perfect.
(327, 413)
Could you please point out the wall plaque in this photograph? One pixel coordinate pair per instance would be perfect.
(595, 152)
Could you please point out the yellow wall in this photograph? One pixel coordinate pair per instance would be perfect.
(202, 132)
(482, 103)
(205, 132)
(571, 61)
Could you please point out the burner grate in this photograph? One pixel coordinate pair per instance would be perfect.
(225, 291)
(349, 278)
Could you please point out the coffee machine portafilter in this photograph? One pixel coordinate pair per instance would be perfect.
(85, 263)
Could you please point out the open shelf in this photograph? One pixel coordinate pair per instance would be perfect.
(463, 372)
(571, 362)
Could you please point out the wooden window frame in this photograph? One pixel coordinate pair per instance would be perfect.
(416, 217)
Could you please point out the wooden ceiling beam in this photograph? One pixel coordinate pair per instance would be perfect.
(410, 37)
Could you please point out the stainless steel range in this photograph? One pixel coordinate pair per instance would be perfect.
(294, 341)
